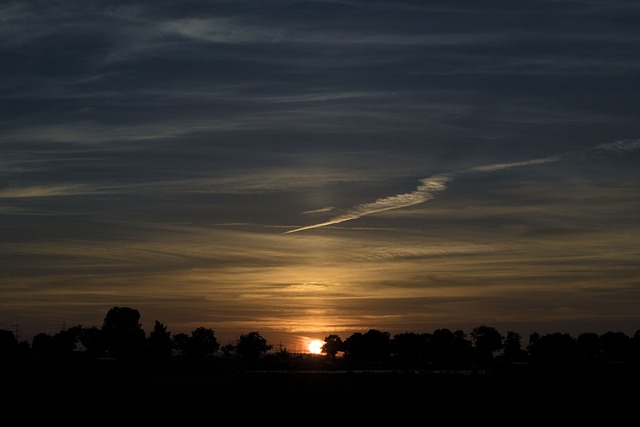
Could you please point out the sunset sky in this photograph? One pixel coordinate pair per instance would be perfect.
(306, 168)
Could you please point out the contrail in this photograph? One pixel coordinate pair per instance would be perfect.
(425, 191)
(431, 186)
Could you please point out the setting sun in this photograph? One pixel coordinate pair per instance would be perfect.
(315, 346)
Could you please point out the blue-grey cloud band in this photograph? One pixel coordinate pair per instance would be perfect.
(430, 187)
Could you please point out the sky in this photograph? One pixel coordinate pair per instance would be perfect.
(306, 168)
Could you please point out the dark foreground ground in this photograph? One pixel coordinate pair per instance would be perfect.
(183, 397)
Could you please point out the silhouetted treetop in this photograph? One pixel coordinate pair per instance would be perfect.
(123, 334)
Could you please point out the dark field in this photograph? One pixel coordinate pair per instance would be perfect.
(163, 394)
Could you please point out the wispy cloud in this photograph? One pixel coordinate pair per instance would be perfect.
(501, 166)
(223, 30)
(427, 190)
(431, 186)
(47, 191)
(321, 210)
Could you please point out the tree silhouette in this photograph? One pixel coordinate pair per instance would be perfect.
(354, 349)
(43, 347)
(92, 340)
(59, 347)
(160, 343)
(615, 346)
(513, 351)
(634, 347)
(448, 350)
(122, 337)
(13, 350)
(123, 334)
(370, 349)
(181, 343)
(251, 346)
(332, 346)
(8, 346)
(554, 350)
(67, 341)
(201, 344)
(410, 349)
(378, 346)
(486, 341)
(588, 348)
(228, 350)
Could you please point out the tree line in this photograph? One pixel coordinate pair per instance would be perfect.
(121, 339)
